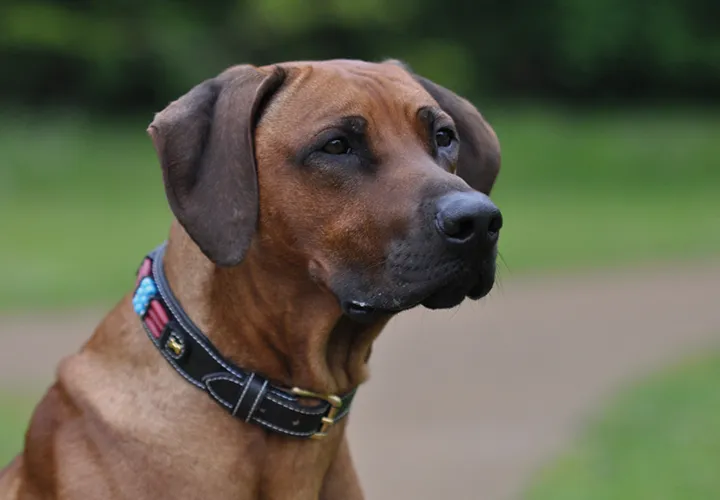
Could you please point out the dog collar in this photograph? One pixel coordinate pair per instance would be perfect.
(245, 395)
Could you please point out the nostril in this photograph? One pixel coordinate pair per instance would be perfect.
(495, 224)
(459, 229)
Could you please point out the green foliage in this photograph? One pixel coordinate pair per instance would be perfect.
(15, 412)
(84, 201)
(113, 54)
(660, 441)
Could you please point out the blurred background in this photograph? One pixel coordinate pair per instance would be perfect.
(592, 369)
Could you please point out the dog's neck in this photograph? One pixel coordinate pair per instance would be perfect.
(270, 319)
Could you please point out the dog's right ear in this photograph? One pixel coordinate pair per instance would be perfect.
(204, 142)
(479, 161)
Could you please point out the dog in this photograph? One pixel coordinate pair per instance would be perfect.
(312, 201)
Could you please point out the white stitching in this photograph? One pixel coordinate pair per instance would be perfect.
(257, 400)
(222, 376)
(219, 399)
(298, 410)
(212, 378)
(284, 396)
(156, 270)
(242, 396)
(341, 415)
(171, 361)
(157, 262)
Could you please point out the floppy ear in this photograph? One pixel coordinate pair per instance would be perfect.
(204, 142)
(479, 160)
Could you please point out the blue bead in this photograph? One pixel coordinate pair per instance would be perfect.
(143, 295)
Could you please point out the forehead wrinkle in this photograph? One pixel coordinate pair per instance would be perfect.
(393, 119)
(388, 103)
(317, 94)
(304, 107)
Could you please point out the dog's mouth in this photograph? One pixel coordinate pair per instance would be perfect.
(445, 297)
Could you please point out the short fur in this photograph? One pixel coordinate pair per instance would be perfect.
(272, 239)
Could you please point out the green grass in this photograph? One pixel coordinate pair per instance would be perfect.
(659, 441)
(607, 188)
(83, 201)
(15, 414)
(570, 230)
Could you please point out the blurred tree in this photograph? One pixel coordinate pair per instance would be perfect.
(116, 55)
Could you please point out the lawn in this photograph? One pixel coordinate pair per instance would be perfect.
(658, 441)
(15, 414)
(83, 200)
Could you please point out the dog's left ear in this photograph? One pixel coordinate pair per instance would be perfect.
(479, 160)
(205, 144)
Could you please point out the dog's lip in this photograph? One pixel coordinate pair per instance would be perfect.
(366, 311)
(360, 307)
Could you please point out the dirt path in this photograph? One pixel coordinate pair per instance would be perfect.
(468, 403)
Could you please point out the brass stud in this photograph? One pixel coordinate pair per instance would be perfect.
(175, 346)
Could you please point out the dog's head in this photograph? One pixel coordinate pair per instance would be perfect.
(367, 179)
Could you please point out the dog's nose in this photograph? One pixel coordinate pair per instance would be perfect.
(463, 217)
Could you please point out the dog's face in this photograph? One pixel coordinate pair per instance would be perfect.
(369, 179)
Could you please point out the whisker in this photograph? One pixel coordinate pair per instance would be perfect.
(456, 309)
(504, 262)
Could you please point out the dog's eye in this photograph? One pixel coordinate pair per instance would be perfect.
(337, 146)
(444, 137)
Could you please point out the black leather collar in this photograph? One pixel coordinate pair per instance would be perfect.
(245, 395)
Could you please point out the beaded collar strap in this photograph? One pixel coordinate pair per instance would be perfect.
(247, 396)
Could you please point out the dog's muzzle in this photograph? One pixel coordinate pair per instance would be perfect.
(449, 257)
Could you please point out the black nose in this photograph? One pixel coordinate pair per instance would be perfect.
(463, 217)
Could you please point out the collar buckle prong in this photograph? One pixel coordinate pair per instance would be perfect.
(328, 421)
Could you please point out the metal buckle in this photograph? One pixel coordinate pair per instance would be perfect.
(328, 420)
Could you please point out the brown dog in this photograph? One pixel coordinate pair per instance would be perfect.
(313, 201)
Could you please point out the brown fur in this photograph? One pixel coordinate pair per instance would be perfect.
(120, 424)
